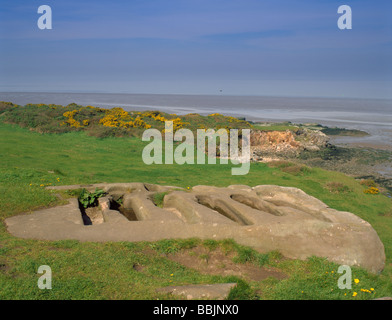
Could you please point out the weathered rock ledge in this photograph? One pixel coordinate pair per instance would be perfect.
(275, 144)
(265, 217)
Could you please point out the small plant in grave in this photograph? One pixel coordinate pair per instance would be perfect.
(90, 199)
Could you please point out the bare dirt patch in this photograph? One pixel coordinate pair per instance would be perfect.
(4, 267)
(217, 262)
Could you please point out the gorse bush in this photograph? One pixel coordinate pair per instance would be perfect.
(103, 123)
(372, 190)
(4, 106)
(372, 186)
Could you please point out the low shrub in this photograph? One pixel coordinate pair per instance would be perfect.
(296, 169)
(4, 106)
(337, 187)
(106, 132)
(280, 164)
(372, 190)
(368, 182)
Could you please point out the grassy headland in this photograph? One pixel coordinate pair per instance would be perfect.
(34, 156)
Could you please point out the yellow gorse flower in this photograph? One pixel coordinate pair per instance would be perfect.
(372, 190)
(117, 117)
(70, 119)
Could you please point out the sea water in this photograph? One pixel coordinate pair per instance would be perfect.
(371, 115)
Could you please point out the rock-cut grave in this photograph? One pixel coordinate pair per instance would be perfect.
(264, 217)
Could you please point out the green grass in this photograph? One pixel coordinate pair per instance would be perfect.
(343, 132)
(29, 161)
(95, 121)
(332, 131)
(275, 126)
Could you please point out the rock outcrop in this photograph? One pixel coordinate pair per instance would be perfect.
(265, 217)
(275, 144)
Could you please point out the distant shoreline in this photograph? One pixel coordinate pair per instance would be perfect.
(370, 115)
(351, 151)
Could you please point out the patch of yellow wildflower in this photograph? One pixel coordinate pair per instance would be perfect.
(371, 290)
(215, 115)
(70, 119)
(235, 120)
(72, 122)
(372, 190)
(117, 117)
(157, 116)
(177, 124)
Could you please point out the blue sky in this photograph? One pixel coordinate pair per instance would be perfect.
(253, 47)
